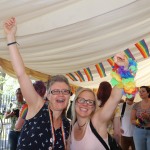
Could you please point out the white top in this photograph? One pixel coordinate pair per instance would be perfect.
(126, 122)
(88, 142)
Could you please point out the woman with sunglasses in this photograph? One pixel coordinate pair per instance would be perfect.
(46, 127)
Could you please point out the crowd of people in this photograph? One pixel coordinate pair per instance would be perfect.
(96, 118)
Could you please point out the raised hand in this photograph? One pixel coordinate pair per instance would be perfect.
(121, 60)
(10, 26)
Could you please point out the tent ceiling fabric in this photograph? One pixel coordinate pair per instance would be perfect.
(64, 36)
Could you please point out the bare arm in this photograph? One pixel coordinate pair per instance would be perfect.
(104, 114)
(133, 117)
(108, 109)
(27, 89)
(19, 124)
(9, 115)
(117, 132)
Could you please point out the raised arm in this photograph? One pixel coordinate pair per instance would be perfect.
(27, 89)
(123, 73)
(106, 112)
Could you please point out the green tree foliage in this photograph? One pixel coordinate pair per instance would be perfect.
(8, 85)
(2, 81)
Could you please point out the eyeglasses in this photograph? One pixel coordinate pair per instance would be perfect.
(57, 92)
(81, 100)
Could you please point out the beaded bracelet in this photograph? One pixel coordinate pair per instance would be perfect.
(125, 78)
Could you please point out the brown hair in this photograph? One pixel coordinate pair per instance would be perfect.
(40, 88)
(104, 92)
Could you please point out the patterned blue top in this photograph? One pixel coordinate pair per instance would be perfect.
(36, 133)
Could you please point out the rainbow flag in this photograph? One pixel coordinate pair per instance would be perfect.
(143, 48)
(111, 61)
(88, 74)
(129, 54)
(80, 76)
(72, 77)
(23, 111)
(101, 70)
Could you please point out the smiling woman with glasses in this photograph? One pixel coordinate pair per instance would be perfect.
(89, 123)
(46, 126)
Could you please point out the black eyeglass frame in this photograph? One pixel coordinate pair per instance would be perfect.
(58, 91)
(87, 101)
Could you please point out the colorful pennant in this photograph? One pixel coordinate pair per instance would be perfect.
(80, 76)
(143, 48)
(101, 70)
(129, 54)
(88, 74)
(72, 77)
(111, 61)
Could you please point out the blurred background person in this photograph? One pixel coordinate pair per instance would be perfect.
(126, 125)
(140, 117)
(12, 112)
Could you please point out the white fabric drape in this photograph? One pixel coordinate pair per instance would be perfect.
(64, 36)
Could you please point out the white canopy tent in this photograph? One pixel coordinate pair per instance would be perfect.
(64, 36)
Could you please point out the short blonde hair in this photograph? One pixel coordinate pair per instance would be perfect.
(74, 116)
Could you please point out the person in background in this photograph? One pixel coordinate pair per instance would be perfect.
(40, 88)
(126, 126)
(13, 113)
(103, 94)
(140, 118)
(46, 126)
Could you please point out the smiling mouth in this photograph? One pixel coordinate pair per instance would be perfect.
(60, 100)
(83, 109)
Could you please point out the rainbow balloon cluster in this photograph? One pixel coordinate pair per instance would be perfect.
(125, 78)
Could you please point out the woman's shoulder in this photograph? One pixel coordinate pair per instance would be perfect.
(136, 105)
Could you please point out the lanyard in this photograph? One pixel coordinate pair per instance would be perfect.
(53, 130)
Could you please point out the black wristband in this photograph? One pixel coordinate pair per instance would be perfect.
(12, 43)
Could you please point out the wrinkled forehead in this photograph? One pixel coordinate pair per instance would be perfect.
(59, 85)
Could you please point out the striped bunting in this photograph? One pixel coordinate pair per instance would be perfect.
(72, 77)
(111, 61)
(143, 48)
(129, 54)
(101, 70)
(80, 76)
(88, 74)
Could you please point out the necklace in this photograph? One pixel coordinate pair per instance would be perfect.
(53, 130)
(80, 126)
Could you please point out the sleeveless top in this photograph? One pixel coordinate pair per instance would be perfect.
(140, 111)
(36, 133)
(88, 142)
